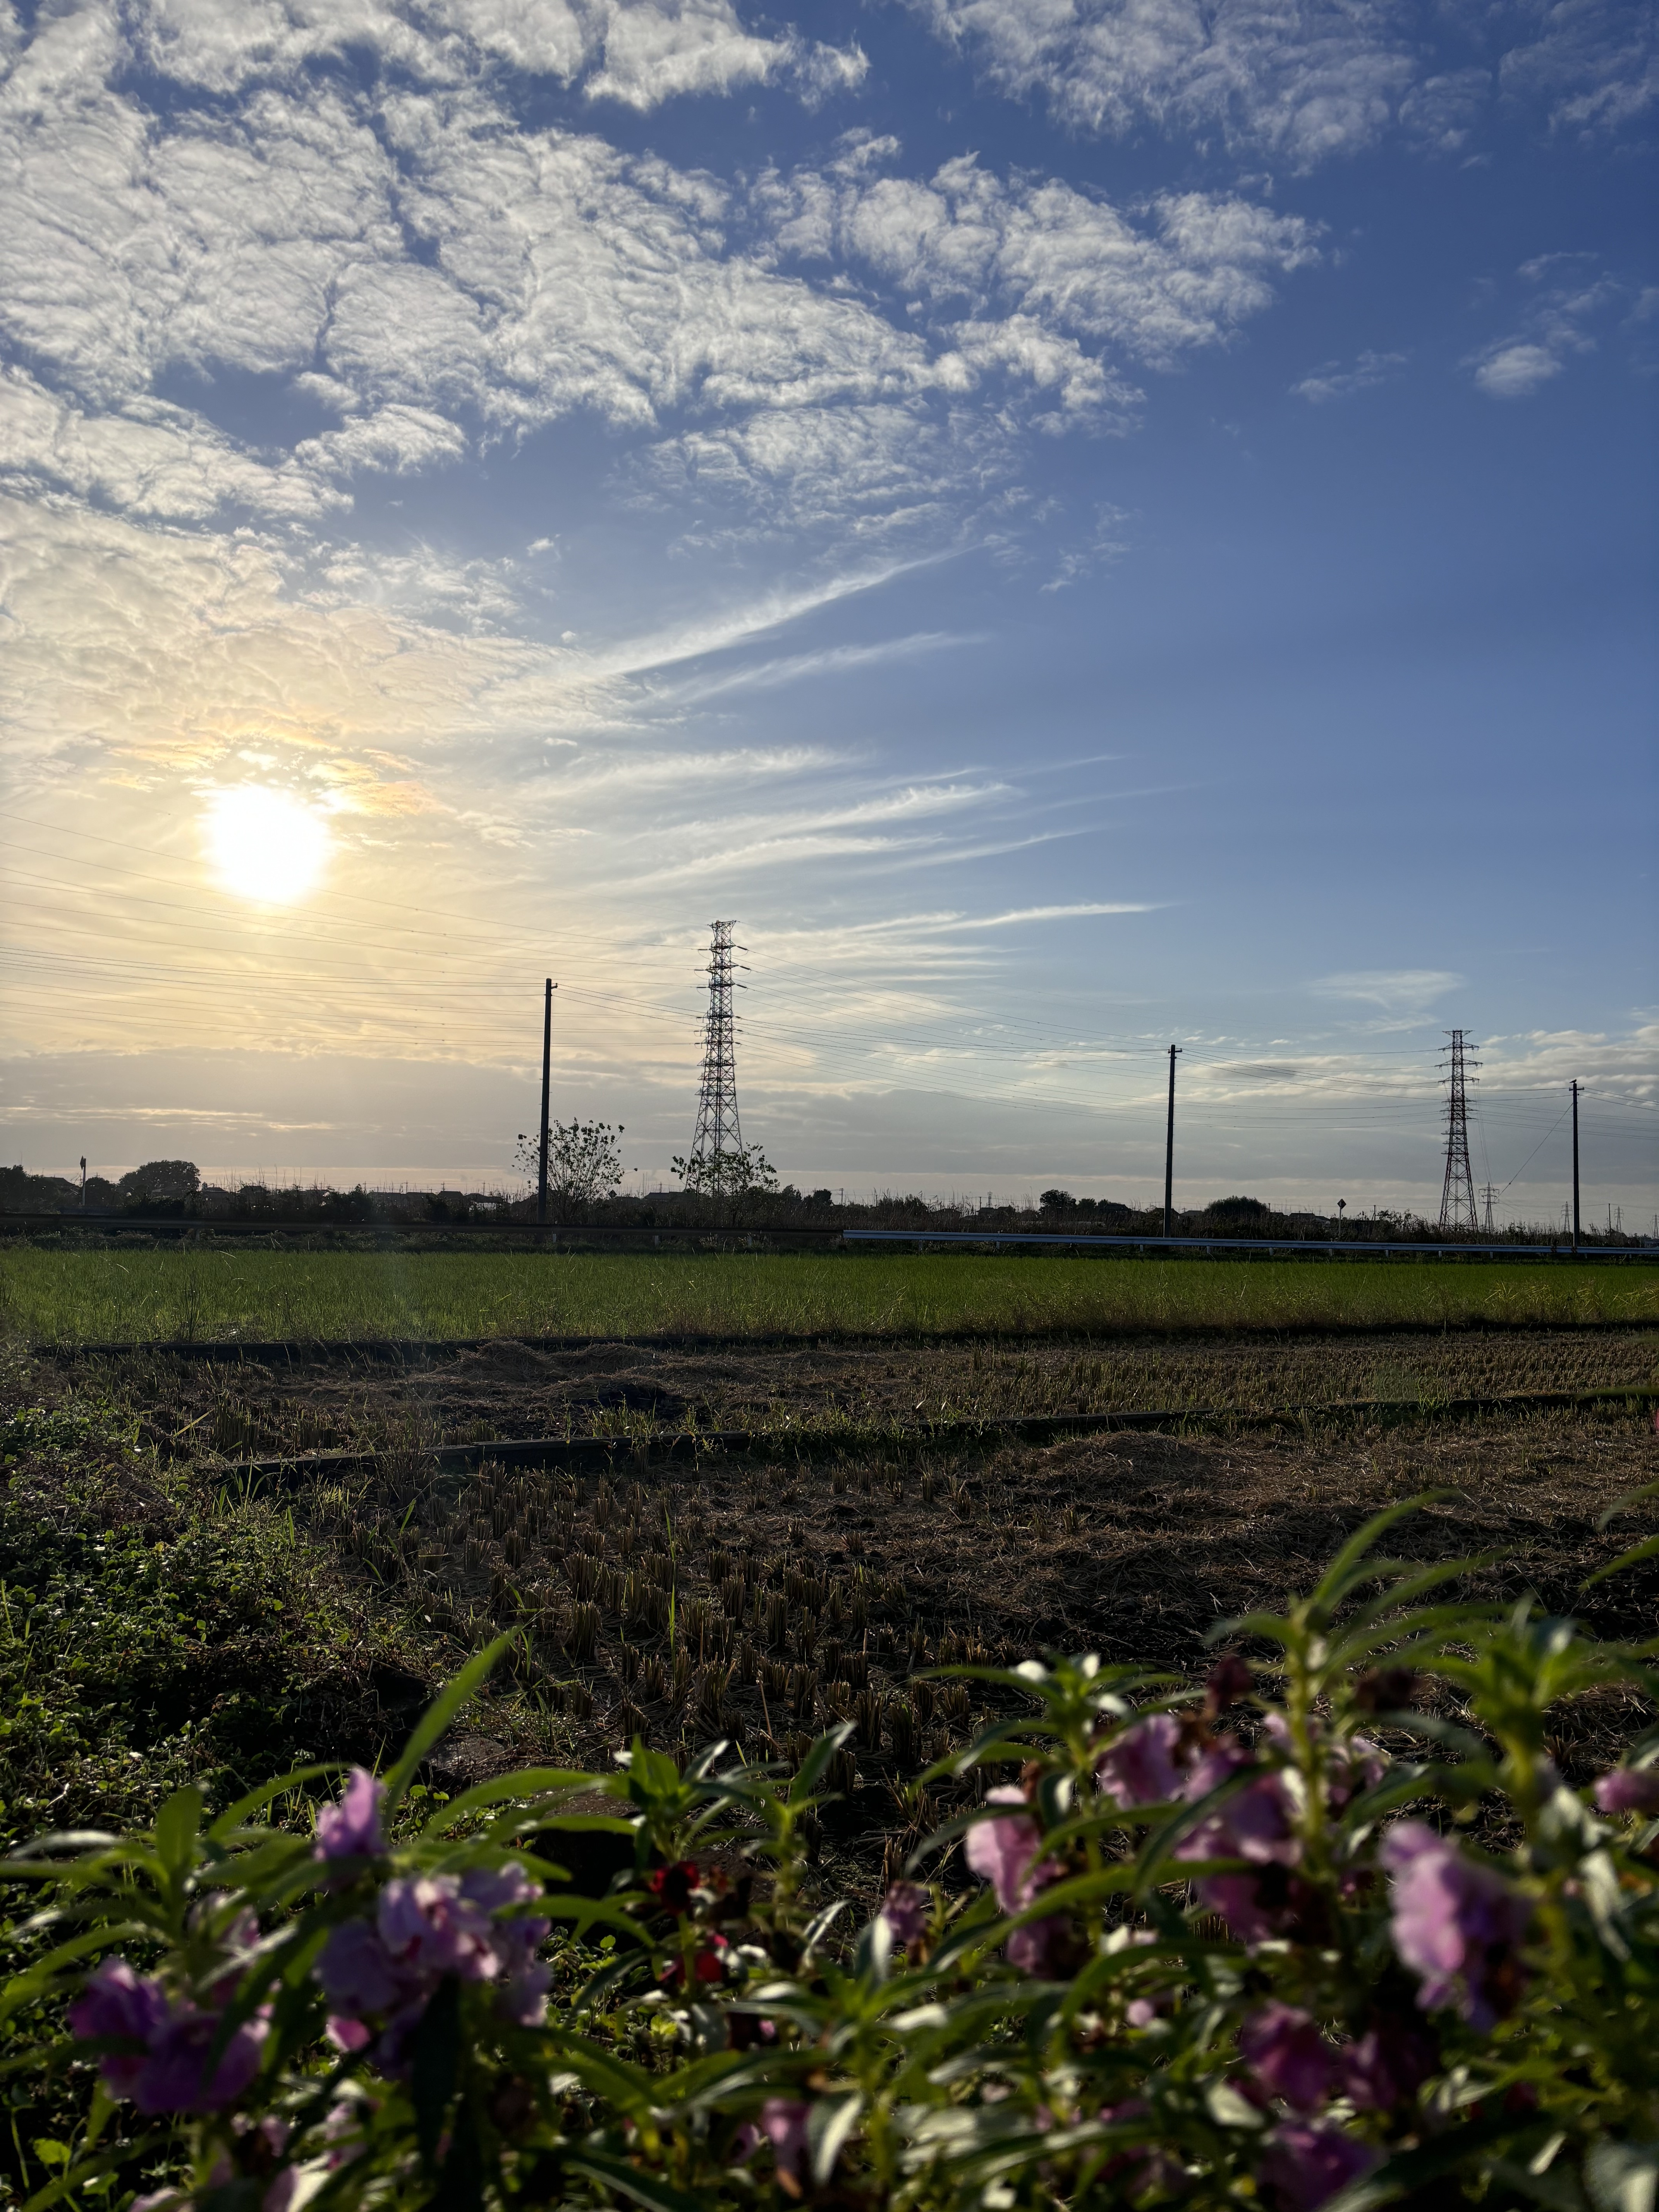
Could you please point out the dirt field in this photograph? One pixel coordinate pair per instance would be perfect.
(763, 1595)
(353, 1401)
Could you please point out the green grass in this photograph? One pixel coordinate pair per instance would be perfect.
(51, 1297)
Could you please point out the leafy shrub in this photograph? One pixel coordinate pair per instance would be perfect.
(1218, 1947)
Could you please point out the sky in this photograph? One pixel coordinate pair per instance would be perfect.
(1080, 524)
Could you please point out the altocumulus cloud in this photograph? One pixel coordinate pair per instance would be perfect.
(1308, 80)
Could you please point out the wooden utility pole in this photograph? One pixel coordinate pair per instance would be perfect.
(547, 1078)
(1169, 1150)
(1576, 1229)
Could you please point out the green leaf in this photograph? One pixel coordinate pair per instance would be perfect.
(1408, 2172)
(1348, 1565)
(223, 1830)
(829, 2123)
(177, 1826)
(436, 2054)
(439, 1713)
(461, 2184)
(530, 1783)
(646, 2188)
(1624, 1504)
(1633, 1557)
(822, 1750)
(629, 2087)
(1621, 2176)
(90, 2168)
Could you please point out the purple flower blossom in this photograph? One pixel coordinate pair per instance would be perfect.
(1284, 2049)
(1456, 1924)
(431, 1928)
(358, 1973)
(426, 1926)
(170, 2074)
(1629, 1789)
(116, 2002)
(1384, 2066)
(1230, 1680)
(1037, 1947)
(1004, 1851)
(1254, 1823)
(351, 1829)
(783, 2123)
(1303, 2166)
(1139, 1767)
(176, 2078)
(907, 1908)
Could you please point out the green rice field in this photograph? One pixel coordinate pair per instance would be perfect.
(131, 1297)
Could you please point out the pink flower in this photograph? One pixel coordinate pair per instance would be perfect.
(1456, 1924)
(1037, 1947)
(1139, 1767)
(1360, 1765)
(359, 1975)
(351, 1829)
(783, 2123)
(175, 2077)
(426, 1926)
(1004, 1851)
(1284, 2049)
(1230, 1680)
(907, 1908)
(1629, 1789)
(116, 2002)
(1304, 2166)
(1384, 2066)
(170, 2074)
(1254, 1823)
(431, 1929)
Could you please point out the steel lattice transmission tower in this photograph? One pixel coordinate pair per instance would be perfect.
(1458, 1209)
(719, 1132)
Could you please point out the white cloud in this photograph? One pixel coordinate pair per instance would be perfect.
(1396, 990)
(1553, 330)
(1024, 913)
(1594, 68)
(1515, 371)
(430, 272)
(639, 53)
(1306, 78)
(146, 458)
(1026, 255)
(653, 52)
(1333, 381)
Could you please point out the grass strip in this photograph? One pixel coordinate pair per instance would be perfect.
(59, 1299)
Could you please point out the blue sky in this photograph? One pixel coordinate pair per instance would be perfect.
(1081, 526)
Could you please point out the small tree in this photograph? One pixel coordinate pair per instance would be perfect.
(159, 1180)
(584, 1160)
(745, 1172)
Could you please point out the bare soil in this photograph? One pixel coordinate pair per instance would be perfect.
(347, 1402)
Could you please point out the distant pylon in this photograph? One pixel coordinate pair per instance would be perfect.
(1489, 1194)
(1457, 1205)
(719, 1133)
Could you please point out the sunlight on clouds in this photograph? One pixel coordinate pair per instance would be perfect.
(265, 846)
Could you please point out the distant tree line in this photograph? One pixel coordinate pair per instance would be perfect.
(736, 1190)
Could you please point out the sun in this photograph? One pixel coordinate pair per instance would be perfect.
(265, 845)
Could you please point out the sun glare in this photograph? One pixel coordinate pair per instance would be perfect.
(265, 844)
